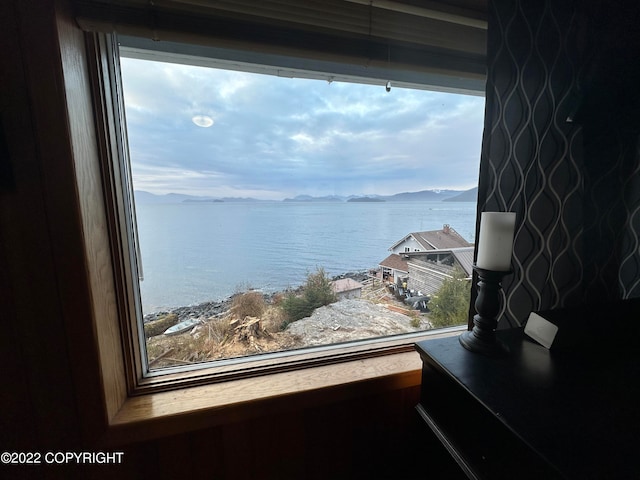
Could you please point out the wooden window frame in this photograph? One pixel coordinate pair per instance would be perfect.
(116, 403)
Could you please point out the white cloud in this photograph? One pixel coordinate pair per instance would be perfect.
(271, 135)
(302, 138)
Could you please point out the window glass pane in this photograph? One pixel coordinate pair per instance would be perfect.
(259, 198)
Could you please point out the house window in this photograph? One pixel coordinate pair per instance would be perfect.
(229, 166)
(251, 189)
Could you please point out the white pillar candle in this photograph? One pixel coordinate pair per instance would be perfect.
(495, 242)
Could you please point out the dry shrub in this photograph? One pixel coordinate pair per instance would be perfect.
(248, 304)
(415, 319)
(185, 348)
(277, 299)
(273, 319)
(218, 331)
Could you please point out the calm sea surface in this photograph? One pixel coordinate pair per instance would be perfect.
(197, 252)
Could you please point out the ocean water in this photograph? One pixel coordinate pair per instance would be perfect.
(197, 252)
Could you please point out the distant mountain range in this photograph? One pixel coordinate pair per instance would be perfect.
(422, 196)
(308, 198)
(471, 195)
(146, 197)
(366, 199)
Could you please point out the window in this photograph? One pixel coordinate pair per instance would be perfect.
(410, 47)
(248, 185)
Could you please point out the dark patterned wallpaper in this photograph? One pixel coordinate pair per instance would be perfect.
(575, 186)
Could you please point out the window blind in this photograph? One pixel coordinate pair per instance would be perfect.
(444, 41)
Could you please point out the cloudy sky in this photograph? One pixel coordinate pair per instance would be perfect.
(218, 133)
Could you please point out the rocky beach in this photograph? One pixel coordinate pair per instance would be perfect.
(217, 332)
(215, 309)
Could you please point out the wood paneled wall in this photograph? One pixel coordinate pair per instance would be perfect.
(376, 437)
(43, 405)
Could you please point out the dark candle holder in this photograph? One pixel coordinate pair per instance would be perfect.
(482, 338)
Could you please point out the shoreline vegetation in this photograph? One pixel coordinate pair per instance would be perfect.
(251, 322)
(220, 307)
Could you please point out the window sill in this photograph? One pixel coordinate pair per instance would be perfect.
(166, 413)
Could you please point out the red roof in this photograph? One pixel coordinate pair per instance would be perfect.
(395, 262)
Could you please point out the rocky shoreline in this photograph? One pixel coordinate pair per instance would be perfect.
(214, 330)
(216, 309)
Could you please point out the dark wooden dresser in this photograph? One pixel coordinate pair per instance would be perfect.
(569, 412)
